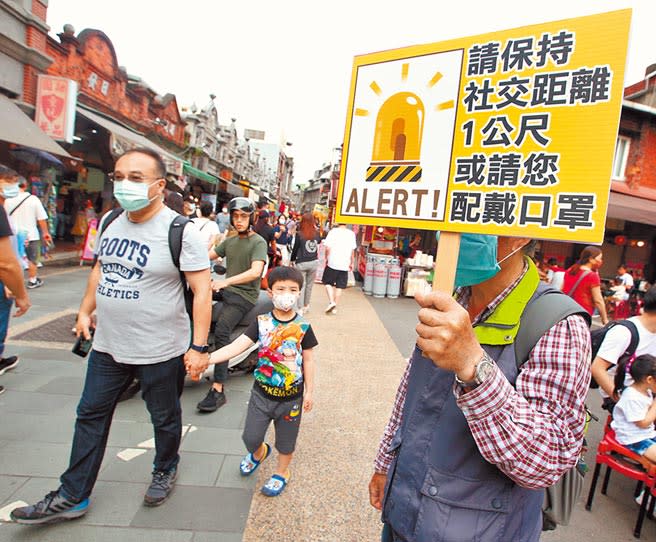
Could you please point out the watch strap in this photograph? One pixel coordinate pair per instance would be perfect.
(201, 349)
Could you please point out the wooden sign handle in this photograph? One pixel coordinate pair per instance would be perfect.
(446, 261)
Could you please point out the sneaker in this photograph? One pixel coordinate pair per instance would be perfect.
(330, 307)
(34, 284)
(39, 264)
(130, 391)
(8, 363)
(213, 401)
(334, 310)
(2, 389)
(160, 488)
(53, 507)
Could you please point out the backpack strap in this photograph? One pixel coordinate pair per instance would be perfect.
(176, 233)
(635, 337)
(104, 223)
(539, 317)
(19, 204)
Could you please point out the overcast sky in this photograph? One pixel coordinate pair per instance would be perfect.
(284, 66)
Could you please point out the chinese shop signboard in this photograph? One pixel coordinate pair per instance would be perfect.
(55, 107)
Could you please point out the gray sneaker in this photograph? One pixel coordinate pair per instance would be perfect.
(53, 507)
(161, 487)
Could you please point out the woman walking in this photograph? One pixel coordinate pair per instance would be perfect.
(305, 255)
(582, 283)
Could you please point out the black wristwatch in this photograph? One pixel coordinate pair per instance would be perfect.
(201, 349)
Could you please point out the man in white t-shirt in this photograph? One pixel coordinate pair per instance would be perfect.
(616, 342)
(625, 277)
(340, 244)
(29, 216)
(142, 330)
(208, 228)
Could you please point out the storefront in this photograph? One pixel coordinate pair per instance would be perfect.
(411, 251)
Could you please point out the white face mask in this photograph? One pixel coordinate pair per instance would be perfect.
(284, 302)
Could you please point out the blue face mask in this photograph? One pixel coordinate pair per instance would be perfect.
(132, 196)
(10, 191)
(477, 259)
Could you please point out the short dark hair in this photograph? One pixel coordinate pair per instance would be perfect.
(282, 272)
(160, 168)
(206, 209)
(7, 173)
(649, 301)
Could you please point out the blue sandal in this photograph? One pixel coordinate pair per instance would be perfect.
(275, 485)
(249, 464)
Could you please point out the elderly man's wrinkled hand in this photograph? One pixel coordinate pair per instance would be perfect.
(446, 335)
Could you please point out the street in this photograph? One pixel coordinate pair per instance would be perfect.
(360, 361)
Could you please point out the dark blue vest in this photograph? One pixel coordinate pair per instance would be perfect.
(440, 489)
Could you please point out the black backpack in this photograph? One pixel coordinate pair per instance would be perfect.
(176, 231)
(598, 336)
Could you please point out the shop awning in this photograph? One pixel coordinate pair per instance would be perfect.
(190, 170)
(631, 208)
(17, 127)
(124, 139)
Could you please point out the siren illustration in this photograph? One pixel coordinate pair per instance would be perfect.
(397, 140)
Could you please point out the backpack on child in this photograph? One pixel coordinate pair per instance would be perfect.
(176, 231)
(598, 336)
(538, 318)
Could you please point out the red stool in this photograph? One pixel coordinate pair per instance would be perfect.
(619, 458)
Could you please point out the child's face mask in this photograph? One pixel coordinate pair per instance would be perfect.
(284, 302)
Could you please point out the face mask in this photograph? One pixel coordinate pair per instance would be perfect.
(284, 302)
(192, 208)
(477, 259)
(10, 191)
(132, 196)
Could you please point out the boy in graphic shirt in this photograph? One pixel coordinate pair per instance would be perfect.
(284, 377)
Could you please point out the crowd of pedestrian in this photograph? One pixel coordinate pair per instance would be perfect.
(486, 416)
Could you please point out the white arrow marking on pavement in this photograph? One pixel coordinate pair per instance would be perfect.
(150, 443)
(4, 512)
(130, 453)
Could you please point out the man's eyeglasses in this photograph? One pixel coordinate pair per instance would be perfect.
(118, 177)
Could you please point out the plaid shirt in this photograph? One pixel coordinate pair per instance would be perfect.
(533, 432)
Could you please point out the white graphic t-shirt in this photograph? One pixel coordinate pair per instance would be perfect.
(139, 300)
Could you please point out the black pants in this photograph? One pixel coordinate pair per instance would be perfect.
(232, 312)
(161, 386)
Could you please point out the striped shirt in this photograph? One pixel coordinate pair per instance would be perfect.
(532, 432)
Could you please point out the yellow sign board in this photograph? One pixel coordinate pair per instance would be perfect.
(508, 133)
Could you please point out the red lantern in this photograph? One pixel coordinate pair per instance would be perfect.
(620, 240)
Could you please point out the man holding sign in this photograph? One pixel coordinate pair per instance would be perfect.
(473, 440)
(510, 135)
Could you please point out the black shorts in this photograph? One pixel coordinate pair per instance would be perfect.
(32, 251)
(332, 277)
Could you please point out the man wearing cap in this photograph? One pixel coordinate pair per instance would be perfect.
(245, 255)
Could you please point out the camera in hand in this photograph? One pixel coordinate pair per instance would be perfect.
(220, 269)
(83, 346)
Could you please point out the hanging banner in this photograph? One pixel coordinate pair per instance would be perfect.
(56, 98)
(508, 133)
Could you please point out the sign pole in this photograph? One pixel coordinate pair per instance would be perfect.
(444, 272)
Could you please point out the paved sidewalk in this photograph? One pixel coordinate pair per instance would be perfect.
(210, 502)
(358, 370)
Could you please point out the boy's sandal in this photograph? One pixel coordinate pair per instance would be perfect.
(275, 485)
(249, 464)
